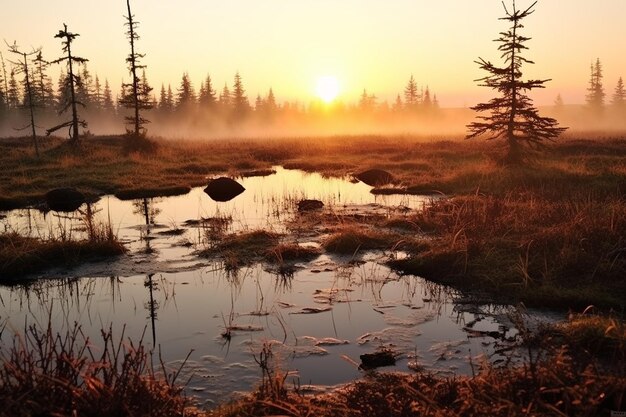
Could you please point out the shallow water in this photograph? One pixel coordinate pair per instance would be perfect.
(318, 320)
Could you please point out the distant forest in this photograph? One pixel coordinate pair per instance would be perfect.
(206, 108)
(32, 104)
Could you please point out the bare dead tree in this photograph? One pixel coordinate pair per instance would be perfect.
(135, 96)
(30, 101)
(512, 116)
(72, 79)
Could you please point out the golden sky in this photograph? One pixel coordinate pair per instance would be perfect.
(372, 44)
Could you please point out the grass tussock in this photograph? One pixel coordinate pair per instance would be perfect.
(568, 252)
(47, 374)
(20, 255)
(350, 239)
(289, 252)
(239, 249)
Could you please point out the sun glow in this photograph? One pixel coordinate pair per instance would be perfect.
(327, 88)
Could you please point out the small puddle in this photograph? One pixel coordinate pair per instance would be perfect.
(318, 318)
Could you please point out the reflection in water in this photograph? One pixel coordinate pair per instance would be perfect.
(313, 314)
(152, 305)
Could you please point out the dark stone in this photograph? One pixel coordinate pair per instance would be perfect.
(309, 205)
(375, 177)
(384, 357)
(224, 189)
(64, 199)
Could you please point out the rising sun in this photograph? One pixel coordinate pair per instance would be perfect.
(327, 88)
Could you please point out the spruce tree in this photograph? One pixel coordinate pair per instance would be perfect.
(411, 95)
(107, 98)
(512, 116)
(270, 101)
(240, 103)
(186, 97)
(30, 101)
(225, 99)
(13, 92)
(206, 98)
(72, 78)
(595, 91)
(619, 96)
(136, 94)
(4, 85)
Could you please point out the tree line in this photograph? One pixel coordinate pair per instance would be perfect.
(27, 89)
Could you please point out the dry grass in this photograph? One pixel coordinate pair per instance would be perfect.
(553, 381)
(349, 239)
(568, 252)
(48, 374)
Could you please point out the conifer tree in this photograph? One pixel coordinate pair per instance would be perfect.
(411, 95)
(259, 104)
(270, 101)
(13, 92)
(29, 89)
(619, 96)
(512, 116)
(72, 77)
(186, 97)
(43, 83)
(427, 101)
(225, 99)
(170, 98)
(107, 97)
(136, 94)
(4, 85)
(97, 94)
(162, 98)
(595, 91)
(240, 103)
(206, 97)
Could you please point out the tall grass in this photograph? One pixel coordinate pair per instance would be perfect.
(569, 251)
(65, 374)
(21, 255)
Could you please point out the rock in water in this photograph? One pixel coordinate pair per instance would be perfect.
(384, 357)
(375, 177)
(308, 205)
(224, 189)
(64, 199)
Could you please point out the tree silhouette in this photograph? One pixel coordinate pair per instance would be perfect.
(4, 86)
(29, 89)
(72, 79)
(13, 92)
(225, 98)
(206, 96)
(136, 93)
(595, 91)
(43, 83)
(186, 97)
(270, 101)
(619, 96)
(512, 115)
(107, 97)
(411, 96)
(239, 100)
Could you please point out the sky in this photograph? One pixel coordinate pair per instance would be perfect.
(366, 44)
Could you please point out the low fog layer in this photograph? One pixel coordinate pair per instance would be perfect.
(294, 121)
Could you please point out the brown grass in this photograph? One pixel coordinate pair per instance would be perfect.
(553, 381)
(21, 255)
(43, 373)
